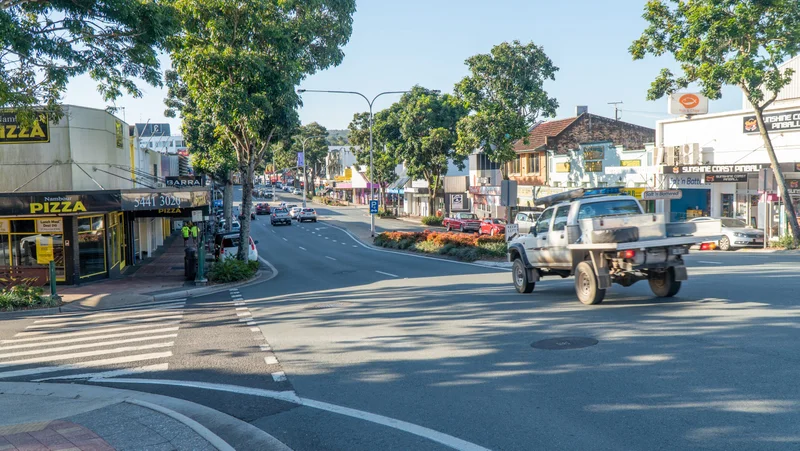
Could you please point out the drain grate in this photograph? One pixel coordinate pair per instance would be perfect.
(557, 344)
(335, 304)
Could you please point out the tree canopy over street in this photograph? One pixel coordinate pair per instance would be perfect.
(46, 43)
(726, 42)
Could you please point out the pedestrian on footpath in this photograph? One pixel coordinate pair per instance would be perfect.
(194, 231)
(185, 233)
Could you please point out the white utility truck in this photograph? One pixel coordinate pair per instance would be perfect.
(601, 238)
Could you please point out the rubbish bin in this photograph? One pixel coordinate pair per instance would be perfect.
(190, 263)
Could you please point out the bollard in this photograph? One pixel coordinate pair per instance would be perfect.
(200, 278)
(53, 295)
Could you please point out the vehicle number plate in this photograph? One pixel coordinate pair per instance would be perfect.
(678, 251)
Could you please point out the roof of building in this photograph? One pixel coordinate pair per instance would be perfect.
(537, 138)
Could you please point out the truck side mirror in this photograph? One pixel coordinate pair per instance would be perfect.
(532, 231)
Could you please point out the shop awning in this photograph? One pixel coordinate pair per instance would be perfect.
(399, 184)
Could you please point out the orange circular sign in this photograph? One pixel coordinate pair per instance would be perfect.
(689, 100)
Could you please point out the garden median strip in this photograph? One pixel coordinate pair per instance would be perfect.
(464, 247)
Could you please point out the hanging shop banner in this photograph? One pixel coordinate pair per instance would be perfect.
(12, 132)
(51, 225)
(725, 178)
(184, 181)
(775, 122)
(716, 169)
(59, 203)
(44, 250)
(162, 199)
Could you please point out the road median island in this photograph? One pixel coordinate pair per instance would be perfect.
(461, 246)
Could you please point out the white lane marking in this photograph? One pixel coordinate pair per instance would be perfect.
(233, 290)
(48, 349)
(78, 355)
(265, 347)
(271, 360)
(291, 396)
(156, 322)
(344, 244)
(114, 373)
(239, 303)
(279, 376)
(57, 328)
(81, 321)
(245, 320)
(110, 313)
(242, 313)
(387, 273)
(251, 323)
(330, 257)
(334, 241)
(327, 238)
(89, 364)
(272, 231)
(709, 263)
(91, 338)
(302, 248)
(241, 309)
(355, 245)
(42, 336)
(255, 329)
(284, 239)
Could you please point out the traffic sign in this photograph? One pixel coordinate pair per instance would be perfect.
(373, 207)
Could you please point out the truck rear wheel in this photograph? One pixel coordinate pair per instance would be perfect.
(586, 285)
(522, 282)
(664, 284)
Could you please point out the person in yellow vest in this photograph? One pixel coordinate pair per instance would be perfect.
(194, 231)
(185, 233)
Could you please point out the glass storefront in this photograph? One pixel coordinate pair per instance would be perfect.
(91, 246)
(33, 243)
(116, 230)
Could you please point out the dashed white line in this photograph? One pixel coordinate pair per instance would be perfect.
(387, 274)
(285, 239)
(280, 376)
(244, 309)
(327, 238)
(334, 241)
(330, 257)
(709, 263)
(302, 248)
(265, 347)
(271, 360)
(243, 313)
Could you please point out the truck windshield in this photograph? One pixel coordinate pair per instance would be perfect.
(622, 207)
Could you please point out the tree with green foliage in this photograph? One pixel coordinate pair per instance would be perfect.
(315, 136)
(210, 156)
(384, 158)
(726, 42)
(505, 93)
(45, 43)
(241, 62)
(421, 131)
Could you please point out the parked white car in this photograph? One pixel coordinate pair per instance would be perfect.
(298, 192)
(735, 233)
(525, 220)
(229, 247)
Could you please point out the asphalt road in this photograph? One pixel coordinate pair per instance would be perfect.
(447, 347)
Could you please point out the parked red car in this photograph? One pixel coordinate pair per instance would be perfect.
(262, 209)
(493, 226)
(463, 222)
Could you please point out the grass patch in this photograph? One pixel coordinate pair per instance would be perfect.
(432, 220)
(232, 270)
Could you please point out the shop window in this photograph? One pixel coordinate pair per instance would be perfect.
(23, 226)
(5, 251)
(91, 245)
(593, 166)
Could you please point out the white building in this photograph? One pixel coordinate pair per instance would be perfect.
(715, 160)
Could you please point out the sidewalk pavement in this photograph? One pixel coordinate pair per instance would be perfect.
(161, 278)
(84, 417)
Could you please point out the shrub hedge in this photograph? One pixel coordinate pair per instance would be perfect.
(432, 220)
(231, 270)
(459, 245)
(22, 297)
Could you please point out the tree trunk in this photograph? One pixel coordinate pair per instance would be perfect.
(247, 205)
(776, 168)
(227, 202)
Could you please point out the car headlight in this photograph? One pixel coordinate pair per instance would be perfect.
(739, 234)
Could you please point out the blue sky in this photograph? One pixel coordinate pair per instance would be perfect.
(397, 44)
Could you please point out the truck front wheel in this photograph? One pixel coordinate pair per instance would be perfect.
(522, 282)
(664, 284)
(586, 285)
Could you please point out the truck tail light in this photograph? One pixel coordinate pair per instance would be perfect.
(628, 254)
(707, 246)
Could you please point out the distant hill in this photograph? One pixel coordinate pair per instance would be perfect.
(338, 137)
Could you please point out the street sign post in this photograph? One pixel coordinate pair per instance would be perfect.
(373, 207)
(512, 230)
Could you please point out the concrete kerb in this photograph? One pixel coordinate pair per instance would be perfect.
(210, 424)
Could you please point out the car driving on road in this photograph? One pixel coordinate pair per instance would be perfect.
(262, 208)
(307, 214)
(280, 216)
(294, 211)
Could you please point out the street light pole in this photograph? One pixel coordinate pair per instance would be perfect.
(371, 173)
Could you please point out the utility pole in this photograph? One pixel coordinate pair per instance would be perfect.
(616, 109)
